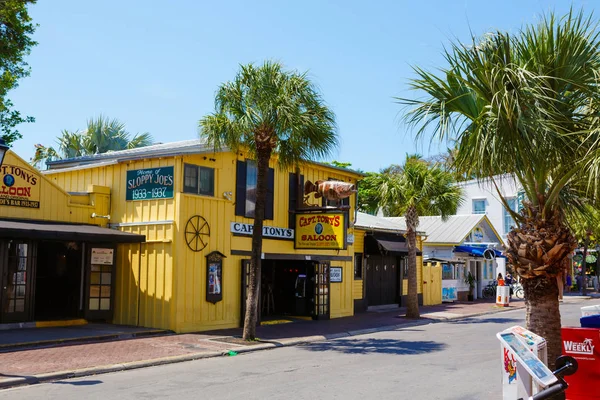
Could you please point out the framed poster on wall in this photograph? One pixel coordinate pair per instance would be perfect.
(335, 274)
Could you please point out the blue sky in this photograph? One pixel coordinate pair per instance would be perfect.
(155, 65)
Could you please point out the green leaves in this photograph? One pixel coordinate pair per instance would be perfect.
(16, 30)
(101, 135)
(524, 104)
(266, 107)
(428, 188)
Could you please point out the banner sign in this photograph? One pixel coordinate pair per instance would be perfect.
(325, 231)
(150, 184)
(239, 228)
(20, 187)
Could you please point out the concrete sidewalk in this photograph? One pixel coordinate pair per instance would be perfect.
(26, 366)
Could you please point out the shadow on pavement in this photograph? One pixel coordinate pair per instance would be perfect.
(485, 321)
(78, 383)
(375, 346)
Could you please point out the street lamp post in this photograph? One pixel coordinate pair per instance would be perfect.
(3, 148)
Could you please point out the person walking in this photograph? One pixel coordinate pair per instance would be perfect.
(579, 281)
(569, 283)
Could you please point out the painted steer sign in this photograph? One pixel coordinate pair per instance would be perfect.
(320, 231)
(20, 187)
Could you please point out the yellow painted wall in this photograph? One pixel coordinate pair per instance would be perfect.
(55, 203)
(172, 278)
(419, 270)
(359, 245)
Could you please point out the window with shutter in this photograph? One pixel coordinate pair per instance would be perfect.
(295, 199)
(245, 190)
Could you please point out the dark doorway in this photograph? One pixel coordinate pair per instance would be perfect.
(58, 281)
(383, 280)
(287, 288)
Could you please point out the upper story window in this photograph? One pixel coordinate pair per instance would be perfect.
(479, 206)
(295, 200)
(198, 180)
(245, 193)
(509, 222)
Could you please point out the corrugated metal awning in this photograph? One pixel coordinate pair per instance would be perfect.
(20, 229)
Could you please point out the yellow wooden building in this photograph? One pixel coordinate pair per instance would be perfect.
(194, 207)
(56, 254)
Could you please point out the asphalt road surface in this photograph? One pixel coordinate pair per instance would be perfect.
(455, 360)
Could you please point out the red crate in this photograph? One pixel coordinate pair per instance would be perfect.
(583, 344)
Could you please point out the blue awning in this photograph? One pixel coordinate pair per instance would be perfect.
(475, 251)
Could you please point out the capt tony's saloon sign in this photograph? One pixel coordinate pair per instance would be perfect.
(325, 231)
(20, 187)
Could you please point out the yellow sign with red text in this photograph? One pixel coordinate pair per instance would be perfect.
(320, 231)
(19, 187)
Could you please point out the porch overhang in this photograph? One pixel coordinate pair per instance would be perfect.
(50, 230)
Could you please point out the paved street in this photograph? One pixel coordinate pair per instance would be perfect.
(453, 360)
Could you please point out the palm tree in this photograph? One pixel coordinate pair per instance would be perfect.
(526, 105)
(269, 111)
(101, 135)
(419, 189)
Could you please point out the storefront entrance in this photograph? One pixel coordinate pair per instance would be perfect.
(291, 289)
(383, 280)
(58, 283)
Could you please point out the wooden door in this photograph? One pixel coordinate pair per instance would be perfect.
(101, 265)
(373, 272)
(17, 269)
(432, 284)
(389, 281)
(321, 310)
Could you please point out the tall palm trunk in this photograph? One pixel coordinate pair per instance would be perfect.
(537, 249)
(262, 166)
(543, 313)
(412, 221)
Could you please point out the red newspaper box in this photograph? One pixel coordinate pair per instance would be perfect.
(583, 344)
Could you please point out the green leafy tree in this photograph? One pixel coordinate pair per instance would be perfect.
(101, 136)
(16, 30)
(524, 104)
(586, 229)
(421, 189)
(269, 111)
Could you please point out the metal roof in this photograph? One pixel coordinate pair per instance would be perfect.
(382, 224)
(193, 146)
(452, 231)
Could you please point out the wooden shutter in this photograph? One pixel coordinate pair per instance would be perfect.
(295, 197)
(240, 189)
(270, 194)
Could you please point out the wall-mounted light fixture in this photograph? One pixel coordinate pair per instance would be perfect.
(228, 195)
(94, 215)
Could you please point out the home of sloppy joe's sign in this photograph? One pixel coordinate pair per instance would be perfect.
(320, 231)
(20, 187)
(150, 184)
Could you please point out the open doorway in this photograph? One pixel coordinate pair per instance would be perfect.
(58, 280)
(287, 288)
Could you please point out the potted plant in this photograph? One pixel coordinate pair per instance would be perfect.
(470, 280)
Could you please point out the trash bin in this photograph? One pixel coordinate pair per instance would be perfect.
(583, 344)
(502, 296)
(590, 321)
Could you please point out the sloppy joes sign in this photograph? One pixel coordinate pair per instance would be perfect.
(150, 184)
(320, 231)
(20, 187)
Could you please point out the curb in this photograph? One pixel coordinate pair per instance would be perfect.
(265, 345)
(81, 340)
